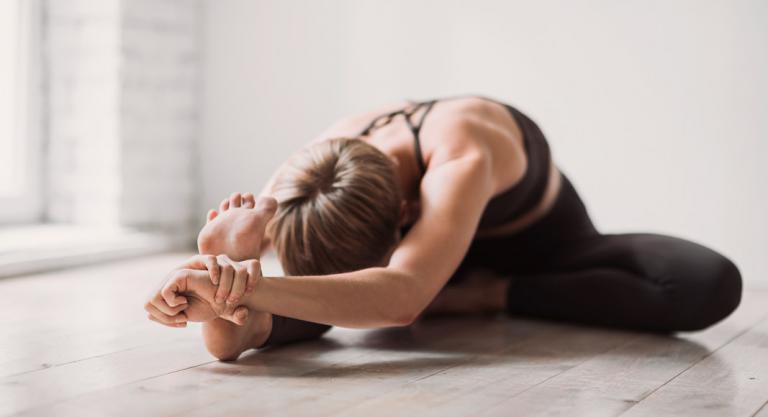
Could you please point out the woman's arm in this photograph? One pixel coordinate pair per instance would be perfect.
(453, 196)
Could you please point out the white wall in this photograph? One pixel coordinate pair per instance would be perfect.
(123, 85)
(657, 110)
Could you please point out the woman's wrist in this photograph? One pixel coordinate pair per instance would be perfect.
(255, 299)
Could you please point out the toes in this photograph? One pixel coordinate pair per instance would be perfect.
(267, 204)
(224, 206)
(235, 200)
(249, 200)
(212, 214)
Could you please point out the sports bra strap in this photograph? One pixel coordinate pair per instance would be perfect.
(415, 128)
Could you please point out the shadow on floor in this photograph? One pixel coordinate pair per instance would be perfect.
(435, 345)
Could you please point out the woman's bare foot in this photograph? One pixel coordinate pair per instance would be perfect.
(483, 292)
(237, 228)
(226, 341)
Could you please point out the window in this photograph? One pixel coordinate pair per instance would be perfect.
(20, 154)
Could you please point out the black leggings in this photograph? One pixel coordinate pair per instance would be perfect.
(562, 268)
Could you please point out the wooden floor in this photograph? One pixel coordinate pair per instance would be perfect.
(77, 343)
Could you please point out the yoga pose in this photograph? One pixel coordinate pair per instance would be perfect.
(442, 206)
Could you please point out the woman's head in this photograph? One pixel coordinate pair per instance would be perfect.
(339, 208)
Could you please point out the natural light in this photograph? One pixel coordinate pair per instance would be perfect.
(10, 143)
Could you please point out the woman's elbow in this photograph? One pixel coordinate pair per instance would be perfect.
(404, 318)
(406, 313)
(407, 301)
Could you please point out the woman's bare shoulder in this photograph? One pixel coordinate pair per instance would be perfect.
(458, 126)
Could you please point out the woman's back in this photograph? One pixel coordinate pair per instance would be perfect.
(525, 181)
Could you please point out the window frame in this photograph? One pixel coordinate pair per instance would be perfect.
(26, 205)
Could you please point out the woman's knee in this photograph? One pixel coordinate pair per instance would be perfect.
(710, 296)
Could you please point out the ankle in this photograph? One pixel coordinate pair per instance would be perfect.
(261, 329)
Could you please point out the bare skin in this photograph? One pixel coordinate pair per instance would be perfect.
(237, 230)
(474, 150)
(234, 230)
(396, 141)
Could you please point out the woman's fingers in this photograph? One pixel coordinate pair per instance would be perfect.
(161, 304)
(240, 316)
(151, 317)
(235, 200)
(170, 295)
(239, 284)
(208, 262)
(249, 201)
(254, 273)
(234, 289)
(227, 277)
(237, 315)
(201, 262)
(164, 314)
(174, 285)
(212, 265)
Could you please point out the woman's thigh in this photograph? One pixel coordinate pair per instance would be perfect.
(635, 280)
(567, 221)
(562, 267)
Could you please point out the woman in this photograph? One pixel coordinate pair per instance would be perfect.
(444, 206)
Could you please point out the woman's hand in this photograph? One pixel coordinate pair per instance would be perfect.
(189, 294)
(234, 279)
(171, 312)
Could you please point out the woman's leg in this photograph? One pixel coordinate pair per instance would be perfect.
(636, 281)
(563, 268)
(482, 292)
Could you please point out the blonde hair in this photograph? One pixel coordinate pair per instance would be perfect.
(338, 208)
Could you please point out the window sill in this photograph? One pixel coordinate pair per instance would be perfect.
(37, 248)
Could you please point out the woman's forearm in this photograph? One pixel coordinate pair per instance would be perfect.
(373, 297)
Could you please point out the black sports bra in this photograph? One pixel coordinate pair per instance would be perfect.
(415, 128)
(512, 202)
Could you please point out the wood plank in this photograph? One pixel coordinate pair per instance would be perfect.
(346, 389)
(55, 384)
(733, 381)
(71, 353)
(76, 314)
(353, 366)
(474, 386)
(609, 382)
(82, 313)
(612, 383)
(763, 411)
(85, 330)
